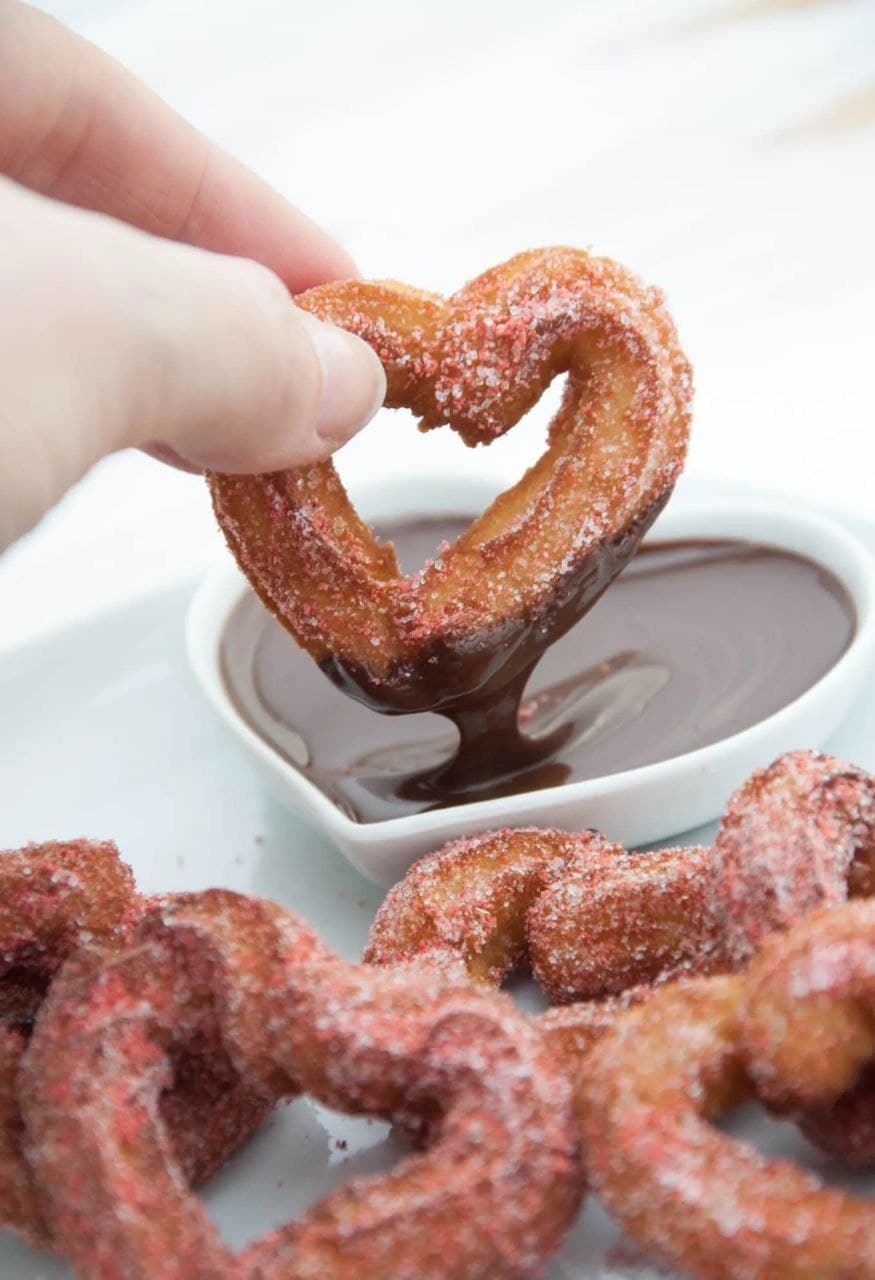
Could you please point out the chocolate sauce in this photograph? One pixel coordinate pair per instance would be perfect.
(461, 675)
(695, 641)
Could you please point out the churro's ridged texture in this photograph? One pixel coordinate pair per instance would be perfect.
(471, 904)
(54, 899)
(797, 836)
(808, 1030)
(491, 1195)
(539, 555)
(590, 919)
(68, 908)
(594, 920)
(796, 1028)
(500, 1184)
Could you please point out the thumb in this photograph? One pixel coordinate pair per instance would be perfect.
(112, 337)
(249, 382)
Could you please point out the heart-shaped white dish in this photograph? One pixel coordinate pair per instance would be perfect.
(636, 806)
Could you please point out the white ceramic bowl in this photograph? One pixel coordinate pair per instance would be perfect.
(637, 806)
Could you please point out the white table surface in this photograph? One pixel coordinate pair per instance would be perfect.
(723, 148)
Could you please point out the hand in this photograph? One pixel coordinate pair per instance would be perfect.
(176, 332)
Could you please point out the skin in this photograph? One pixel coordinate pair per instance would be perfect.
(147, 297)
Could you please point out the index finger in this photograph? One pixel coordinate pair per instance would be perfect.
(74, 124)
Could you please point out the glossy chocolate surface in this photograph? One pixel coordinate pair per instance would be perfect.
(693, 642)
(458, 676)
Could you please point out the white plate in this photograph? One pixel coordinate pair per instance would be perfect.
(636, 806)
(106, 735)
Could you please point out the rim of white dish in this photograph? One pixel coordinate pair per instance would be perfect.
(780, 523)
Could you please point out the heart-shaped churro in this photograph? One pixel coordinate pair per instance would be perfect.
(478, 615)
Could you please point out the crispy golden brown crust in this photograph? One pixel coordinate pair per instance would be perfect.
(796, 1030)
(69, 907)
(471, 902)
(593, 920)
(492, 1194)
(55, 898)
(477, 362)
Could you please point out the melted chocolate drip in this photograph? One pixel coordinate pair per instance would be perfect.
(695, 641)
(456, 675)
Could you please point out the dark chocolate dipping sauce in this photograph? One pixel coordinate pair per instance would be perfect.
(693, 642)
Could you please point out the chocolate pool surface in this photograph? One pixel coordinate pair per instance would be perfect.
(695, 641)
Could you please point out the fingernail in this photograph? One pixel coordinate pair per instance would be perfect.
(353, 381)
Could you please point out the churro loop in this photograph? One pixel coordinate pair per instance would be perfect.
(470, 907)
(490, 1197)
(479, 614)
(795, 1030)
(75, 904)
(797, 836)
(54, 898)
(593, 920)
(808, 1031)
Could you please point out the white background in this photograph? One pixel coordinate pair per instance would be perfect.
(725, 149)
